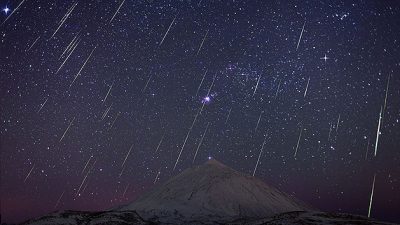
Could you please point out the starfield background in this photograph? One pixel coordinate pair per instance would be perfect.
(102, 100)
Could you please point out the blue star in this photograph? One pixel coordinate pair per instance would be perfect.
(6, 10)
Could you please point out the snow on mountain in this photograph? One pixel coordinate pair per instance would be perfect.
(212, 192)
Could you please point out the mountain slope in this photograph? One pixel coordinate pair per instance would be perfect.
(212, 192)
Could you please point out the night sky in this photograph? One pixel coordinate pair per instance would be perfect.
(100, 98)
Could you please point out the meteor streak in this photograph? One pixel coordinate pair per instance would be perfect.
(79, 72)
(370, 198)
(308, 82)
(378, 132)
(201, 141)
(42, 105)
(167, 31)
(259, 156)
(30, 171)
(109, 90)
(201, 82)
(301, 34)
(86, 164)
(298, 141)
(229, 113)
(116, 12)
(32, 44)
(70, 45)
(202, 42)
(8, 17)
(65, 60)
(258, 81)
(259, 118)
(116, 117)
(59, 199)
(67, 129)
(126, 157)
(106, 112)
(65, 17)
(158, 174)
(159, 143)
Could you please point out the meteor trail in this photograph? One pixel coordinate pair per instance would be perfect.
(330, 131)
(298, 141)
(126, 157)
(106, 112)
(70, 45)
(258, 81)
(201, 82)
(158, 174)
(116, 117)
(42, 105)
(109, 90)
(79, 72)
(378, 132)
(277, 90)
(308, 82)
(202, 42)
(127, 186)
(147, 83)
(167, 31)
(84, 179)
(337, 124)
(259, 118)
(30, 171)
(65, 60)
(65, 17)
(86, 164)
(301, 34)
(386, 95)
(59, 199)
(187, 135)
(370, 198)
(201, 141)
(116, 12)
(32, 44)
(67, 129)
(259, 156)
(159, 143)
(8, 17)
(229, 113)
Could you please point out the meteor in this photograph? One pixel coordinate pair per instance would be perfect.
(67, 129)
(158, 174)
(79, 72)
(258, 81)
(59, 199)
(201, 82)
(378, 132)
(8, 17)
(301, 34)
(201, 141)
(106, 112)
(30, 171)
(32, 44)
(372, 195)
(109, 90)
(159, 143)
(167, 31)
(65, 17)
(42, 105)
(259, 156)
(298, 141)
(229, 113)
(70, 53)
(116, 12)
(259, 118)
(126, 157)
(308, 82)
(202, 42)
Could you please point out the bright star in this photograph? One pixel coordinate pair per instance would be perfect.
(6, 10)
(206, 99)
(325, 58)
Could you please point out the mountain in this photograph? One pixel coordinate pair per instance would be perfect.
(213, 192)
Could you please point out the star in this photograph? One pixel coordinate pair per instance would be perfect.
(206, 99)
(6, 10)
(324, 58)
